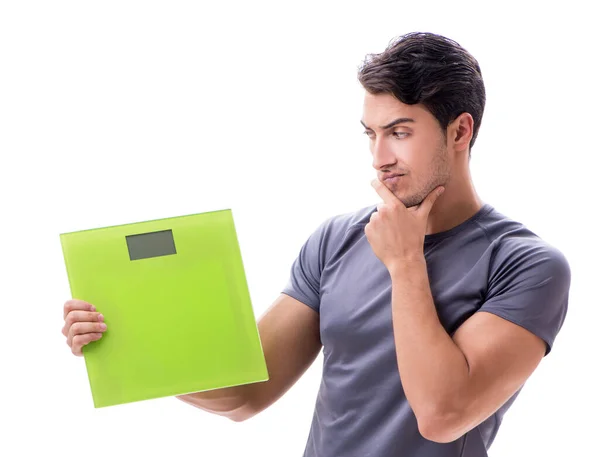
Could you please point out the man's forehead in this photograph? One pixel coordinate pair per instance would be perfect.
(385, 114)
(382, 109)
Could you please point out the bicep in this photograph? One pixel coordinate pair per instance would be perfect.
(290, 337)
(515, 327)
(501, 356)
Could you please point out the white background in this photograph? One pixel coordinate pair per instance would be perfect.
(121, 111)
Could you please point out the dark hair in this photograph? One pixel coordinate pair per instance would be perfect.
(432, 70)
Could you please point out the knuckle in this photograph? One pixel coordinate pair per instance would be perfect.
(74, 304)
(77, 342)
(70, 320)
(76, 328)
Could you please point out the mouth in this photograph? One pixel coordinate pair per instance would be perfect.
(393, 178)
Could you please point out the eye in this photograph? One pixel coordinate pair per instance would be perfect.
(400, 134)
(369, 133)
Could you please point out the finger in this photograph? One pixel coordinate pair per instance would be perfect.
(75, 304)
(81, 328)
(427, 204)
(81, 340)
(386, 194)
(80, 316)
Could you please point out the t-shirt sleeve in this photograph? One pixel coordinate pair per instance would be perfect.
(304, 282)
(529, 286)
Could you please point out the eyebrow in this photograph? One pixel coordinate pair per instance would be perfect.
(395, 122)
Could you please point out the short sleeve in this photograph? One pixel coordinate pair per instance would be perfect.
(529, 286)
(304, 282)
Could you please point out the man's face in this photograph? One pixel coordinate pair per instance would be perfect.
(414, 147)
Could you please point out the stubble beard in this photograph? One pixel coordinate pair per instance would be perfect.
(440, 175)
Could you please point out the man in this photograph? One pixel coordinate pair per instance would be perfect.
(432, 308)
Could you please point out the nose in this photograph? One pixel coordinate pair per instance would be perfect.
(383, 155)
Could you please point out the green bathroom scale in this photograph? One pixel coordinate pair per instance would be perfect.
(176, 304)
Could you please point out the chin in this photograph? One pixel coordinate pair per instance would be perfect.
(410, 200)
(411, 203)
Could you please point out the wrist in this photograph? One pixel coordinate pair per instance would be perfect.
(407, 263)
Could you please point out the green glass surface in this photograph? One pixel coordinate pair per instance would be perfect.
(176, 323)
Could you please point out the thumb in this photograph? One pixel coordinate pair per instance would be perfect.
(427, 204)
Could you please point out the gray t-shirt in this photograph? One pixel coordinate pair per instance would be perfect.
(487, 263)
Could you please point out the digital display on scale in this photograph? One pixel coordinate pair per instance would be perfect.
(153, 244)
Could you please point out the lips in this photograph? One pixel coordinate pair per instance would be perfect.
(395, 175)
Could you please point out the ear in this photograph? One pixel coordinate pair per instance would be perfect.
(460, 132)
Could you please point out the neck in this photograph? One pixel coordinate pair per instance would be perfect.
(458, 203)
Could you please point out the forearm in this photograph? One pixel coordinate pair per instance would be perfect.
(433, 370)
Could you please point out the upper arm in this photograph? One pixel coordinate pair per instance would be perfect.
(500, 356)
(290, 328)
(515, 327)
(289, 333)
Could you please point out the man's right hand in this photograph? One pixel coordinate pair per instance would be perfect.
(82, 324)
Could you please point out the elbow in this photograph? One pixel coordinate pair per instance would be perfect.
(241, 414)
(237, 414)
(440, 427)
(433, 430)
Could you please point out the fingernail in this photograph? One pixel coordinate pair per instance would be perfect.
(103, 326)
(93, 308)
(100, 317)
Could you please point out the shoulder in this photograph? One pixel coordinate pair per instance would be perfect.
(332, 233)
(339, 225)
(528, 280)
(517, 249)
